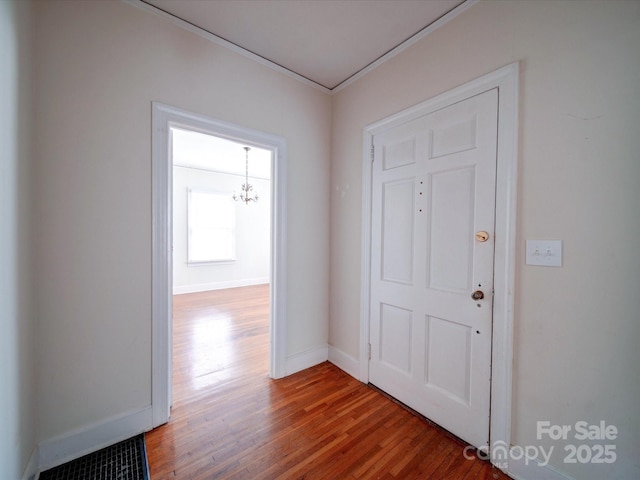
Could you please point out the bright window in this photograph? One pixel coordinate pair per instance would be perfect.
(211, 224)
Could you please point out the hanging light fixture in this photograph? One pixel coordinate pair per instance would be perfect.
(245, 193)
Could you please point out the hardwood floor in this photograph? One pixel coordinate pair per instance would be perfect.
(230, 421)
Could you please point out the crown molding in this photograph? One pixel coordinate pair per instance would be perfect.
(225, 43)
(447, 17)
(432, 27)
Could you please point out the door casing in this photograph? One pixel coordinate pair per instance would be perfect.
(505, 80)
(163, 118)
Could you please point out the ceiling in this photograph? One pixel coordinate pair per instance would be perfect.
(326, 42)
(209, 152)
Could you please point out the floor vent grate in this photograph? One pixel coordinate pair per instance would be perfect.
(123, 461)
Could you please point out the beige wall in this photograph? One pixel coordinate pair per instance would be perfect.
(577, 327)
(99, 65)
(18, 387)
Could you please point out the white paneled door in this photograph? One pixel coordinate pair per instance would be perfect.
(433, 211)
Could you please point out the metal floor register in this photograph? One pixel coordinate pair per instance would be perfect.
(126, 460)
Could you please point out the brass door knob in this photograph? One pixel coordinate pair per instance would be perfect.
(477, 295)
(482, 236)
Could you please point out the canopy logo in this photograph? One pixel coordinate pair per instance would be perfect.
(500, 454)
(597, 445)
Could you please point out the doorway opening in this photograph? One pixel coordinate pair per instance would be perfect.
(169, 124)
(221, 260)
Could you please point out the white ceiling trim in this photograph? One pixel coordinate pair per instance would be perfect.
(225, 43)
(141, 4)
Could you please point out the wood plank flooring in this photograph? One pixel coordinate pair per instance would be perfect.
(230, 421)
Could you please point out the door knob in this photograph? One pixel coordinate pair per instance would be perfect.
(482, 236)
(477, 295)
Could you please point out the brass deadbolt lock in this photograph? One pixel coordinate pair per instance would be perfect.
(482, 236)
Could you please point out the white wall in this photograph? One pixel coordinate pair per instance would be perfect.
(251, 265)
(99, 67)
(18, 349)
(577, 327)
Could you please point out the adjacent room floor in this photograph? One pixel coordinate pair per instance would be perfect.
(231, 421)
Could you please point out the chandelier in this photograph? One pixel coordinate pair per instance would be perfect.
(245, 191)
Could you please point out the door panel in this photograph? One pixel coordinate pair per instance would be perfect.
(397, 231)
(399, 154)
(450, 226)
(450, 138)
(395, 335)
(448, 358)
(433, 189)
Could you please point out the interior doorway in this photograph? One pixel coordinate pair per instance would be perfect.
(221, 260)
(165, 120)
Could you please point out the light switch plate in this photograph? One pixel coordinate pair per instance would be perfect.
(544, 253)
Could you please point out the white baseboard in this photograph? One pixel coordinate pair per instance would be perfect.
(344, 361)
(32, 472)
(205, 287)
(303, 360)
(532, 469)
(88, 439)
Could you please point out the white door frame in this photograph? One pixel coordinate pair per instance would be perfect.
(506, 81)
(163, 118)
